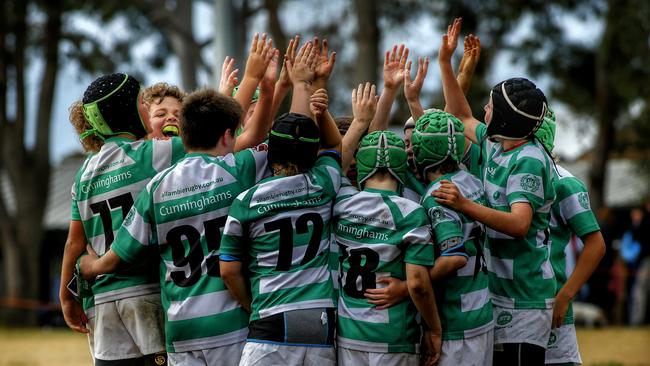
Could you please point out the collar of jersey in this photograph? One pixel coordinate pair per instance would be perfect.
(117, 138)
(382, 191)
(446, 176)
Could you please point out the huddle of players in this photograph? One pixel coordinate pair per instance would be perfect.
(248, 242)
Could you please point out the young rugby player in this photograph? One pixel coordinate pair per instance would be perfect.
(280, 230)
(164, 103)
(461, 285)
(182, 211)
(380, 233)
(128, 318)
(517, 179)
(571, 214)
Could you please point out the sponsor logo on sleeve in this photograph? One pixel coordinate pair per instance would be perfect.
(530, 183)
(583, 199)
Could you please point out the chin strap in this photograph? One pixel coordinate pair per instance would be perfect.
(91, 132)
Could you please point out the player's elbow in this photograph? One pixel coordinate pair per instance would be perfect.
(595, 243)
(418, 283)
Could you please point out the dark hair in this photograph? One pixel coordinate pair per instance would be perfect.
(343, 124)
(118, 102)
(294, 139)
(205, 116)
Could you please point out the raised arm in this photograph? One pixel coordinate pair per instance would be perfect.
(471, 56)
(302, 73)
(456, 103)
(283, 84)
(330, 137)
(412, 88)
(261, 53)
(258, 126)
(364, 106)
(394, 68)
(229, 79)
(324, 64)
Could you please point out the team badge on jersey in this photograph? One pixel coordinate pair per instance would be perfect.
(530, 183)
(504, 318)
(583, 199)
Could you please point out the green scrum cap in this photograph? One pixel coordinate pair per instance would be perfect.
(256, 95)
(111, 106)
(546, 132)
(436, 136)
(381, 150)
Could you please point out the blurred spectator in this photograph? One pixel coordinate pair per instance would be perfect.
(641, 286)
(629, 249)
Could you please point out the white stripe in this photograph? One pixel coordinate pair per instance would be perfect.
(362, 345)
(347, 191)
(534, 184)
(404, 205)
(201, 305)
(496, 195)
(502, 301)
(419, 235)
(474, 300)
(335, 176)
(233, 227)
(270, 259)
(493, 234)
(503, 268)
(468, 269)
(309, 304)
(186, 269)
(502, 160)
(533, 152)
(206, 176)
(368, 208)
(196, 221)
(261, 165)
(387, 252)
(134, 189)
(469, 333)
(288, 280)
(286, 188)
(110, 158)
(366, 314)
(138, 228)
(211, 342)
(162, 154)
(99, 243)
(570, 206)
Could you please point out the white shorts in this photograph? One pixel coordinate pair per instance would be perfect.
(531, 326)
(563, 346)
(225, 356)
(474, 351)
(271, 354)
(350, 357)
(129, 328)
(91, 334)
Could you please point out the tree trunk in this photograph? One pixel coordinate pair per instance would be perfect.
(230, 37)
(607, 111)
(367, 37)
(183, 43)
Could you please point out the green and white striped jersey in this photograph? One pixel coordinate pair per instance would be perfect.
(103, 192)
(463, 300)
(182, 212)
(570, 214)
(281, 229)
(521, 276)
(377, 233)
(472, 161)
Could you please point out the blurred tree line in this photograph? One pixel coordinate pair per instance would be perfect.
(604, 77)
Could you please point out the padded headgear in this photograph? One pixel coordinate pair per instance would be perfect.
(381, 149)
(111, 107)
(518, 108)
(410, 123)
(436, 136)
(546, 131)
(295, 138)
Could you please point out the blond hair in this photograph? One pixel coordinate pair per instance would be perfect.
(91, 143)
(158, 91)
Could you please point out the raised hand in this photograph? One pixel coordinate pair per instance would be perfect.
(471, 56)
(303, 68)
(450, 40)
(324, 62)
(394, 66)
(260, 55)
(271, 71)
(364, 103)
(318, 103)
(290, 54)
(229, 79)
(413, 87)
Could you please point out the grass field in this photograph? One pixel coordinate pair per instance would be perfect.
(33, 347)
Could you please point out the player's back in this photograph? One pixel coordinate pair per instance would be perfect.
(104, 190)
(463, 298)
(377, 232)
(190, 204)
(287, 221)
